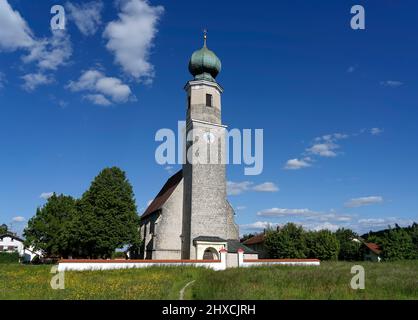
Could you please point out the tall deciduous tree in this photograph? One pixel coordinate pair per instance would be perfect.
(349, 249)
(51, 229)
(397, 244)
(108, 217)
(286, 242)
(323, 245)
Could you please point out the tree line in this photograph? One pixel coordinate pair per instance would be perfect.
(292, 241)
(397, 243)
(104, 219)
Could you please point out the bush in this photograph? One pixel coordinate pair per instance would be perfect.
(397, 244)
(6, 257)
(349, 249)
(322, 245)
(286, 242)
(118, 255)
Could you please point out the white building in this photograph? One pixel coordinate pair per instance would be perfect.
(11, 243)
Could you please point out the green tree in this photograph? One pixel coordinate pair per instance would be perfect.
(397, 244)
(3, 229)
(322, 245)
(286, 242)
(247, 236)
(349, 249)
(51, 229)
(108, 217)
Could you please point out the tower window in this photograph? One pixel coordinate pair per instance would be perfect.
(189, 102)
(209, 102)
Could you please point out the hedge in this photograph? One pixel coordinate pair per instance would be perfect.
(6, 257)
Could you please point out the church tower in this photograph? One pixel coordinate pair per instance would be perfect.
(208, 218)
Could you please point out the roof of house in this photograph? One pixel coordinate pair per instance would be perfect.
(373, 247)
(10, 235)
(259, 238)
(164, 194)
(234, 245)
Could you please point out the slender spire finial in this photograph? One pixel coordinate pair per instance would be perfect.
(205, 36)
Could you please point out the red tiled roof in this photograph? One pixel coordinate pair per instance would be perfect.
(259, 238)
(164, 194)
(373, 247)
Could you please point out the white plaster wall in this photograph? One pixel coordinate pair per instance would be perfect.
(10, 242)
(286, 263)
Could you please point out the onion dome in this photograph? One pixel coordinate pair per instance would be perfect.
(204, 64)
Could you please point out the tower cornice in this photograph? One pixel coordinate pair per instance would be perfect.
(193, 83)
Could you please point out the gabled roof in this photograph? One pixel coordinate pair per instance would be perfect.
(164, 194)
(234, 245)
(373, 247)
(10, 235)
(259, 238)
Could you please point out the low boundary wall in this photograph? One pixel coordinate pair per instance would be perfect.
(93, 265)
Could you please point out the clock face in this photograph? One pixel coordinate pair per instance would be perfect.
(209, 137)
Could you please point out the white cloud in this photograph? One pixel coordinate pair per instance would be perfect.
(258, 225)
(322, 226)
(283, 212)
(131, 37)
(391, 83)
(240, 208)
(86, 16)
(102, 88)
(307, 215)
(18, 218)
(266, 187)
(363, 201)
(237, 188)
(326, 145)
(367, 224)
(296, 164)
(98, 99)
(34, 80)
(50, 53)
(376, 131)
(14, 31)
(46, 195)
(324, 149)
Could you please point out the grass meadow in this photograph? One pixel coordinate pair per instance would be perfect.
(394, 280)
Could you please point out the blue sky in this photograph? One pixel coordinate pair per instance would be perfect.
(339, 104)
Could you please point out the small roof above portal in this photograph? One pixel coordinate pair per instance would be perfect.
(209, 239)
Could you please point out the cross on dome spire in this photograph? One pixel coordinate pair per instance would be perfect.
(205, 36)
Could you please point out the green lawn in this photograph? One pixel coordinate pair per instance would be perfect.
(396, 280)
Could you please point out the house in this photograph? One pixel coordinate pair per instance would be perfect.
(10, 242)
(372, 252)
(256, 243)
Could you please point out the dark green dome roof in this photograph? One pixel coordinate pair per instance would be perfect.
(204, 64)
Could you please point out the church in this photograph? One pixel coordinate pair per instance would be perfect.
(191, 218)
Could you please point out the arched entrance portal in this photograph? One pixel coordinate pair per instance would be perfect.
(210, 254)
